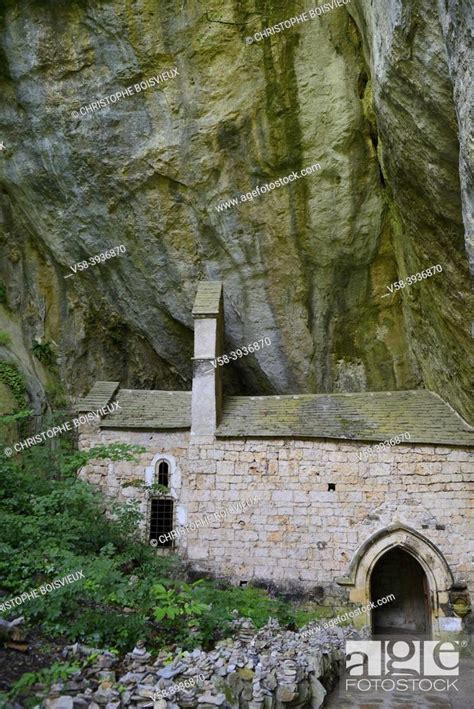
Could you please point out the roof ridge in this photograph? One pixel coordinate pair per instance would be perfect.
(456, 413)
(99, 396)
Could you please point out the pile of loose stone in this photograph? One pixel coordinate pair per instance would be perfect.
(266, 669)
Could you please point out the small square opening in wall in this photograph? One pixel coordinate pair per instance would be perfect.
(331, 487)
(161, 520)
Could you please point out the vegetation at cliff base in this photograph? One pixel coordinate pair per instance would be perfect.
(52, 524)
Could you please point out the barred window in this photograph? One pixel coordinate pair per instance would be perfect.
(161, 520)
(163, 473)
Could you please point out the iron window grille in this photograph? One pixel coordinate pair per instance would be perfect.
(161, 520)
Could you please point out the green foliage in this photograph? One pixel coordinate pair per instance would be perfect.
(52, 524)
(10, 375)
(304, 616)
(20, 419)
(45, 352)
(250, 602)
(153, 489)
(49, 676)
(173, 603)
(4, 338)
(56, 395)
(73, 460)
(6, 419)
(3, 293)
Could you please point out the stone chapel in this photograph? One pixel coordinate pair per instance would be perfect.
(342, 527)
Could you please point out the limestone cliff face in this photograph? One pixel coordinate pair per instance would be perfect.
(375, 92)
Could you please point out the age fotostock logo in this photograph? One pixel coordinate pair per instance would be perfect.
(402, 665)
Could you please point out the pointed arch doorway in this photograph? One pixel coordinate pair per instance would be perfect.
(397, 572)
(436, 581)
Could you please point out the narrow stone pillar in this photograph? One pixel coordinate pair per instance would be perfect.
(208, 314)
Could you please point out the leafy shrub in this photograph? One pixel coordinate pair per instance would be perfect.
(153, 489)
(45, 352)
(47, 677)
(221, 599)
(52, 524)
(173, 604)
(10, 376)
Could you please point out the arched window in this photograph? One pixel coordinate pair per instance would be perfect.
(161, 509)
(162, 476)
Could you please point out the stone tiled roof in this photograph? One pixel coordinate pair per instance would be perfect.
(368, 416)
(207, 300)
(98, 397)
(375, 416)
(151, 409)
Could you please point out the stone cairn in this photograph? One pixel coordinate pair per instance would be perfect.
(270, 668)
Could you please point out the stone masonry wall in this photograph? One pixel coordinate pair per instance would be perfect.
(299, 534)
